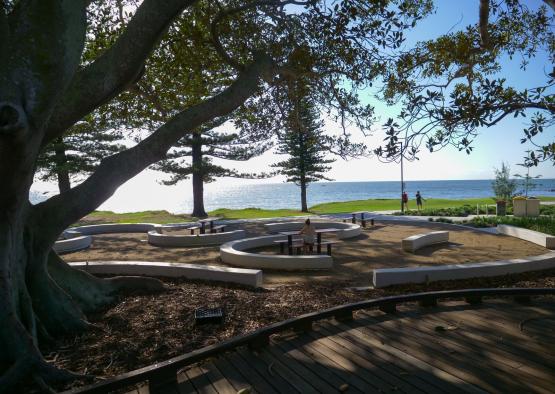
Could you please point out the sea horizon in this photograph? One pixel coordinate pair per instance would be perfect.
(287, 195)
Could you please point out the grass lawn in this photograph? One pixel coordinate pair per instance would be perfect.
(393, 204)
(160, 217)
(256, 213)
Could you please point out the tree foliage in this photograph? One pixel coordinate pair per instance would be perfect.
(61, 61)
(503, 186)
(450, 87)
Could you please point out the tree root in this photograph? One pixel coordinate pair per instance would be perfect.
(92, 293)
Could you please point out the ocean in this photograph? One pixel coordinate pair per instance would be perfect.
(287, 195)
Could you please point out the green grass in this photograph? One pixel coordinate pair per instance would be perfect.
(161, 217)
(254, 213)
(393, 204)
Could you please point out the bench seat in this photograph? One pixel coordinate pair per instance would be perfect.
(415, 242)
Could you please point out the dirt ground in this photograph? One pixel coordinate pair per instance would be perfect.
(354, 259)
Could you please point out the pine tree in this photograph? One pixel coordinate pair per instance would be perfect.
(78, 153)
(304, 141)
(192, 157)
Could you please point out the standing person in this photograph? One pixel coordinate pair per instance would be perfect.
(309, 233)
(405, 201)
(419, 200)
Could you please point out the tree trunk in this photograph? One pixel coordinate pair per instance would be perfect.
(60, 158)
(198, 182)
(304, 206)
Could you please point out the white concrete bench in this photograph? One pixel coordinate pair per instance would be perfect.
(545, 240)
(247, 277)
(396, 276)
(112, 228)
(346, 230)
(235, 253)
(415, 242)
(72, 244)
(157, 239)
(79, 238)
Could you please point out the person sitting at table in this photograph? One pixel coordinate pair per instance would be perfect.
(309, 233)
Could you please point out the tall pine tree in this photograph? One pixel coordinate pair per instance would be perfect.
(193, 157)
(304, 141)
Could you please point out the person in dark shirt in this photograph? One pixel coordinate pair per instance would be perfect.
(419, 200)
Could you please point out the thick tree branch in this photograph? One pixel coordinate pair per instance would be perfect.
(62, 210)
(118, 67)
(484, 20)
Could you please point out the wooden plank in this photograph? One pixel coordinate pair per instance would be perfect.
(323, 372)
(198, 378)
(233, 376)
(220, 383)
(315, 380)
(383, 359)
(343, 358)
(278, 367)
(267, 383)
(254, 379)
(498, 350)
(332, 366)
(434, 376)
(424, 346)
(368, 363)
(184, 385)
(497, 330)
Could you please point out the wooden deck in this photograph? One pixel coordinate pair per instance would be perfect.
(497, 346)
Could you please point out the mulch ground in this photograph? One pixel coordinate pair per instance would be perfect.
(140, 330)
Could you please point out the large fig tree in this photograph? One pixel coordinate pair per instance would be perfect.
(47, 85)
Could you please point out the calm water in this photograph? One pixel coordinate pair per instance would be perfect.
(286, 195)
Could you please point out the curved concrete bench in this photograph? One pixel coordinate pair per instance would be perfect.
(172, 270)
(173, 226)
(415, 242)
(347, 230)
(396, 276)
(234, 253)
(73, 243)
(79, 238)
(157, 239)
(545, 240)
(112, 228)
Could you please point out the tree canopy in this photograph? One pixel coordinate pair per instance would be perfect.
(450, 87)
(61, 61)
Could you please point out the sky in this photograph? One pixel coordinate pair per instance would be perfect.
(493, 146)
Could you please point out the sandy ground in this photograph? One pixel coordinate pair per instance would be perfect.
(354, 259)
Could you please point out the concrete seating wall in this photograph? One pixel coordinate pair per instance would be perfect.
(247, 277)
(173, 226)
(545, 240)
(234, 253)
(415, 242)
(395, 276)
(347, 230)
(79, 238)
(157, 239)
(112, 228)
(73, 244)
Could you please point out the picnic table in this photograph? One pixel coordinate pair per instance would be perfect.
(210, 221)
(362, 220)
(319, 233)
